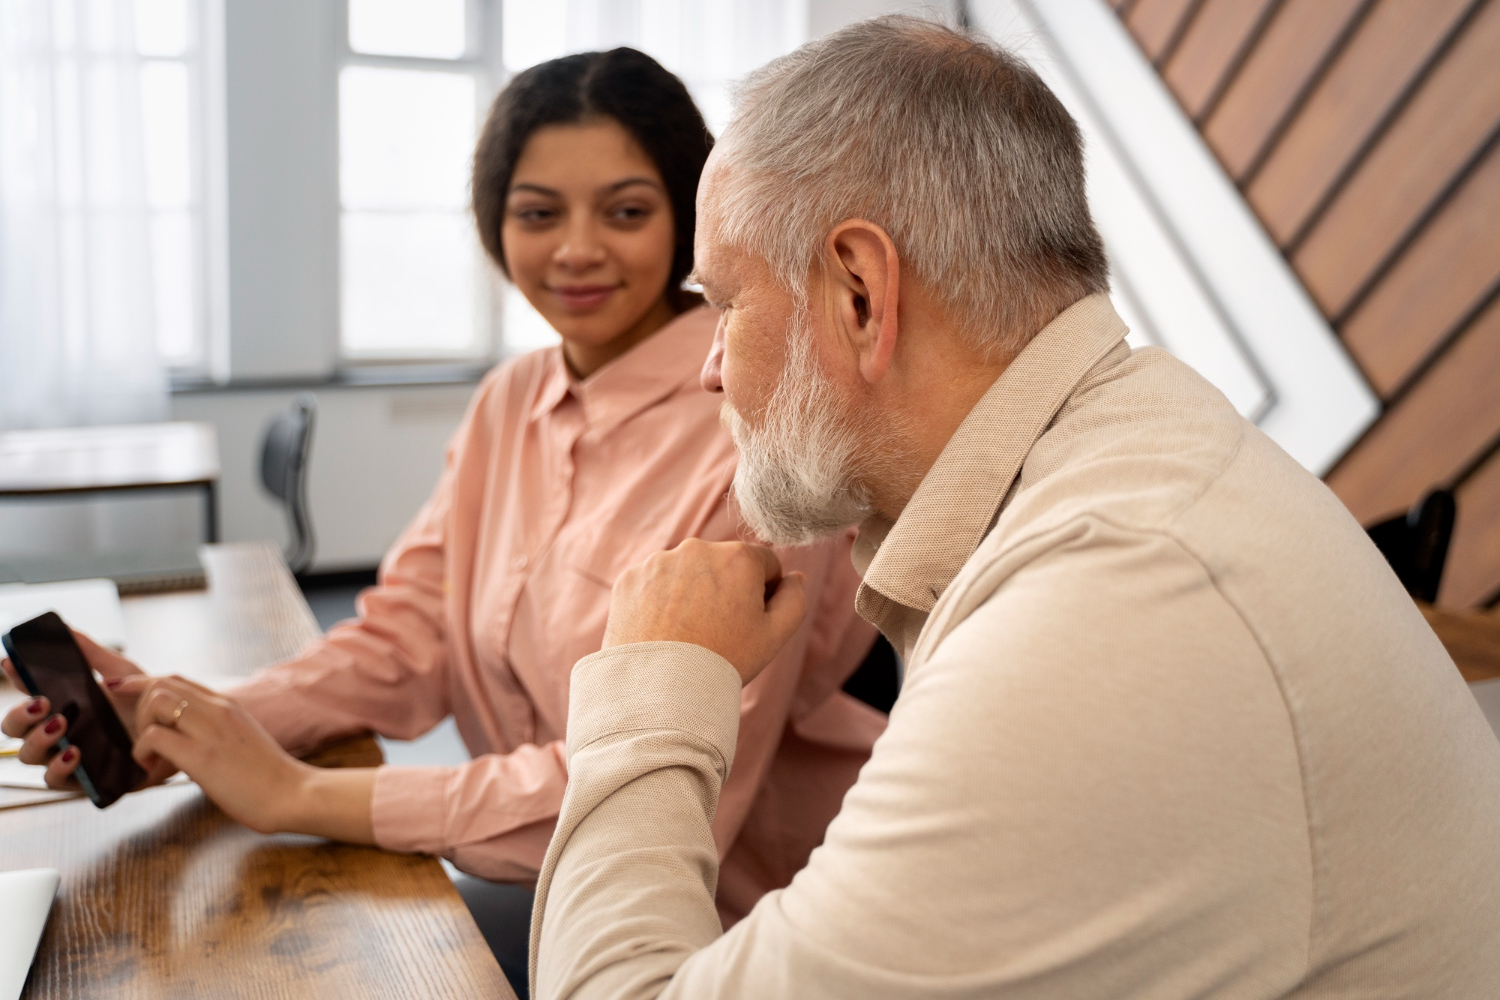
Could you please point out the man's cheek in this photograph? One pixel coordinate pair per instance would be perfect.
(750, 370)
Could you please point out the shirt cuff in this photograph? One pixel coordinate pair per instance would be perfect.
(655, 686)
(409, 809)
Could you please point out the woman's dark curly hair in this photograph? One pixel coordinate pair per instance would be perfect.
(623, 84)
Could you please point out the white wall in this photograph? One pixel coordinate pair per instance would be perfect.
(281, 183)
(376, 454)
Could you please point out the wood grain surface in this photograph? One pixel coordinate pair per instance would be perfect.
(163, 896)
(1472, 638)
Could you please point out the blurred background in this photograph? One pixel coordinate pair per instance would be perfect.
(210, 207)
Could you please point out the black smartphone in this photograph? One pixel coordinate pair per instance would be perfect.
(49, 663)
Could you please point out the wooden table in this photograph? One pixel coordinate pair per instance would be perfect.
(163, 896)
(108, 459)
(1471, 637)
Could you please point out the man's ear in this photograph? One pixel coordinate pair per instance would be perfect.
(863, 282)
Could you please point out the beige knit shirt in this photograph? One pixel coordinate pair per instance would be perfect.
(1170, 728)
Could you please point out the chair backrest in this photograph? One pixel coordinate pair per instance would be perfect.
(1416, 543)
(283, 472)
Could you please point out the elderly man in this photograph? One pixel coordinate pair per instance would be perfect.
(1170, 728)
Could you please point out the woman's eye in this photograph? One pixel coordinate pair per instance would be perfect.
(629, 213)
(533, 216)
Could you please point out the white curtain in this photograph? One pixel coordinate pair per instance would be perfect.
(77, 342)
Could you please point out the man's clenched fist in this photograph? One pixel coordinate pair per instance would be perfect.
(729, 597)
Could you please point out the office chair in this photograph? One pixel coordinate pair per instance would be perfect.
(283, 471)
(1416, 543)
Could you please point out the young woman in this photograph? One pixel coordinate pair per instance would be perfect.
(573, 463)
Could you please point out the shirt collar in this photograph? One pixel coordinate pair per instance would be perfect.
(913, 560)
(647, 373)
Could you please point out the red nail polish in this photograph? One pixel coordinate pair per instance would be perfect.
(70, 755)
(53, 726)
(114, 682)
(35, 708)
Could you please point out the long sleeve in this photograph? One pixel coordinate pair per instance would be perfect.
(1054, 812)
(493, 816)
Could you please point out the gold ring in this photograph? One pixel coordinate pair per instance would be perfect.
(177, 712)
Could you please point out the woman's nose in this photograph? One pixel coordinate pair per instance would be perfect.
(580, 248)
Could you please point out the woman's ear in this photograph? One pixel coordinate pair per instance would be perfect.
(863, 279)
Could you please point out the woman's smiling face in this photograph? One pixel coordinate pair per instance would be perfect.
(589, 238)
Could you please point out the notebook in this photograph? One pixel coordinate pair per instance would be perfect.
(25, 901)
(90, 606)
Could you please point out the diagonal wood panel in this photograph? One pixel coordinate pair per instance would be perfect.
(1433, 434)
(1295, 45)
(1209, 48)
(1387, 52)
(1156, 24)
(1447, 122)
(1366, 136)
(1447, 272)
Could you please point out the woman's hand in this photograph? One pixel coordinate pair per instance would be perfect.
(186, 726)
(33, 721)
(240, 767)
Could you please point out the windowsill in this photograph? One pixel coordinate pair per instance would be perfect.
(362, 376)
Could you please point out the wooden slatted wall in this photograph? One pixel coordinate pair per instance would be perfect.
(1366, 136)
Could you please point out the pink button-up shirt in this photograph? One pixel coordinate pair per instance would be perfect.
(552, 488)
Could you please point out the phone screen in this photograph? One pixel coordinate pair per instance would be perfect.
(50, 663)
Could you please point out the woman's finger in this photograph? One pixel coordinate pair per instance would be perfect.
(158, 704)
(187, 707)
(22, 718)
(105, 660)
(41, 742)
(158, 743)
(60, 770)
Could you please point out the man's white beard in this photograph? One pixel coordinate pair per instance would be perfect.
(797, 480)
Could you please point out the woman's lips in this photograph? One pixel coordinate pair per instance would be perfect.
(583, 298)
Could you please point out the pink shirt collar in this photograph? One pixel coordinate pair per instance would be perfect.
(647, 373)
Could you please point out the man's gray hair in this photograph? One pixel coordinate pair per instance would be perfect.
(951, 144)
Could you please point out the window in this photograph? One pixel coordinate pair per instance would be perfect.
(411, 91)
(168, 36)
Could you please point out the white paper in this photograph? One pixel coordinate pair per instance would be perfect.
(88, 606)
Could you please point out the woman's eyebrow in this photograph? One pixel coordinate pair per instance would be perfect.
(627, 182)
(528, 187)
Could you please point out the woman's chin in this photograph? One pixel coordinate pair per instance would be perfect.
(593, 329)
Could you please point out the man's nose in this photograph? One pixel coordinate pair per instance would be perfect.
(711, 378)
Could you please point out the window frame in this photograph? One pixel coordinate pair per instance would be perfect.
(482, 61)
